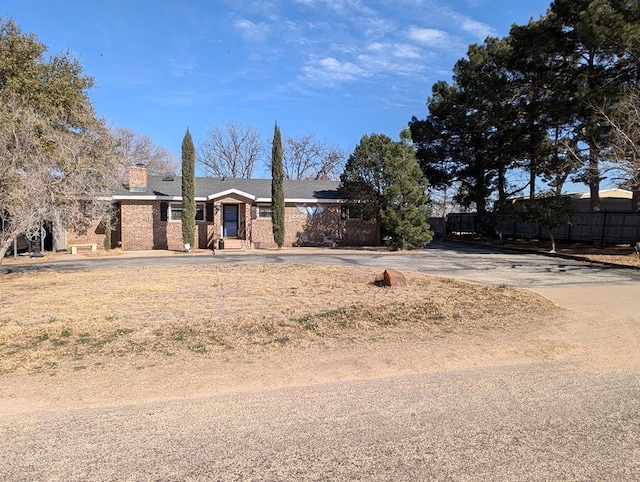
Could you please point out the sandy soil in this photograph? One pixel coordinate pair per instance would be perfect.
(599, 330)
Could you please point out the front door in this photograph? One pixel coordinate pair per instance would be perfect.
(230, 220)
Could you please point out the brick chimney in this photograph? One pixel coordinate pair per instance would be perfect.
(138, 178)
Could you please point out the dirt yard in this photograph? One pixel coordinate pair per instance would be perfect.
(105, 318)
(113, 336)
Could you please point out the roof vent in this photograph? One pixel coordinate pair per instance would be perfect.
(168, 178)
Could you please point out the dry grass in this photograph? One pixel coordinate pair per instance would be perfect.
(96, 317)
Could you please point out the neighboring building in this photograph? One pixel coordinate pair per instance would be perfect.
(237, 210)
(613, 200)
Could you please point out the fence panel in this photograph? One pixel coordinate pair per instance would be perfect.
(603, 227)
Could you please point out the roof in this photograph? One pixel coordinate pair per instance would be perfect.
(604, 194)
(257, 190)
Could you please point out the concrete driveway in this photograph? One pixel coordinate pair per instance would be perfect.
(465, 261)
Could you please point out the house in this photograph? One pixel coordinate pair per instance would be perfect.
(236, 210)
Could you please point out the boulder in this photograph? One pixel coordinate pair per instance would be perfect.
(391, 277)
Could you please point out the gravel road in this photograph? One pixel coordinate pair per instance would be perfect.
(511, 423)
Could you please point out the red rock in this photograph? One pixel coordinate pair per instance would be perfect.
(392, 277)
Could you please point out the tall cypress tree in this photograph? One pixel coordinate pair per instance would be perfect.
(188, 190)
(277, 189)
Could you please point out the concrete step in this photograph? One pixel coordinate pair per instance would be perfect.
(233, 243)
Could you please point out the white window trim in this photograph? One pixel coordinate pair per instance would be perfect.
(258, 211)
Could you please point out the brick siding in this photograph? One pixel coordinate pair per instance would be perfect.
(140, 228)
(138, 178)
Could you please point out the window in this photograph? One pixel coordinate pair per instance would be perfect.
(175, 212)
(352, 212)
(264, 211)
(199, 212)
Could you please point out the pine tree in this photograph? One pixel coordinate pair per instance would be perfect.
(277, 189)
(406, 209)
(383, 178)
(188, 190)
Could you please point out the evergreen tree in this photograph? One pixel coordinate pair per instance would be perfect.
(384, 179)
(591, 63)
(532, 101)
(277, 188)
(188, 190)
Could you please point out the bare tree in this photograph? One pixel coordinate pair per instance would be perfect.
(138, 148)
(443, 201)
(624, 139)
(306, 157)
(57, 159)
(231, 150)
(48, 173)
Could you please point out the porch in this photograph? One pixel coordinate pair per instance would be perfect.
(231, 220)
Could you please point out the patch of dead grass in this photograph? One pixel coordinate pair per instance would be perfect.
(50, 319)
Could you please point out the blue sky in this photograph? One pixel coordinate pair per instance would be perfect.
(336, 68)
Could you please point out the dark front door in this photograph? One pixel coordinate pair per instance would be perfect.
(230, 220)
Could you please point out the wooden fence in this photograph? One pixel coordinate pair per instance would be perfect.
(603, 227)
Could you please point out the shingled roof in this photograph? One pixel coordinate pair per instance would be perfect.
(258, 190)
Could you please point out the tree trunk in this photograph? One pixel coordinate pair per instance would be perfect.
(502, 194)
(3, 251)
(4, 247)
(59, 234)
(532, 179)
(594, 178)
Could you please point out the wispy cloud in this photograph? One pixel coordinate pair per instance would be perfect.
(253, 32)
(329, 71)
(478, 29)
(334, 42)
(340, 6)
(397, 50)
(406, 51)
(181, 67)
(429, 36)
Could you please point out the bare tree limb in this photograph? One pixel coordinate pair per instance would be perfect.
(232, 150)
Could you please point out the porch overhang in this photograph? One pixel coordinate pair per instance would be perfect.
(230, 192)
(302, 201)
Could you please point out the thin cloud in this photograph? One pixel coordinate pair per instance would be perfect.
(406, 51)
(478, 29)
(339, 6)
(180, 68)
(398, 50)
(329, 70)
(253, 32)
(429, 36)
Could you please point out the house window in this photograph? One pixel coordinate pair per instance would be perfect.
(352, 212)
(175, 212)
(264, 211)
(199, 211)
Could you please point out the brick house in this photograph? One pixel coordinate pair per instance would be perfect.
(236, 210)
